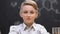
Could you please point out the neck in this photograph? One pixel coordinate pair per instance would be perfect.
(29, 24)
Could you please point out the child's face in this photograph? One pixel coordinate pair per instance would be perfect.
(28, 14)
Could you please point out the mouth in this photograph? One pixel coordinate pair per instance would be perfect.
(28, 18)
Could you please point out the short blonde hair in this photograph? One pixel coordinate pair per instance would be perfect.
(29, 2)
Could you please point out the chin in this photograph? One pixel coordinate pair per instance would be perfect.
(28, 22)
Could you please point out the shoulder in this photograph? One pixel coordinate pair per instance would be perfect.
(15, 27)
(39, 26)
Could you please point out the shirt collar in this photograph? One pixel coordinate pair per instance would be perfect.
(33, 25)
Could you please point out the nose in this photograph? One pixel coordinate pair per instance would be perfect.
(28, 14)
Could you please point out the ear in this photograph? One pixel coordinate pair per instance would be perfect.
(37, 15)
(20, 14)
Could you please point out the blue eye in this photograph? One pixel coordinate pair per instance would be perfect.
(25, 12)
(32, 12)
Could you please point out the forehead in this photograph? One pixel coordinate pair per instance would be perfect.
(26, 7)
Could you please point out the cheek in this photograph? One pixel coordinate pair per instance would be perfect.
(33, 17)
(23, 16)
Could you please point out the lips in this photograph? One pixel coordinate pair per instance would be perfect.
(28, 18)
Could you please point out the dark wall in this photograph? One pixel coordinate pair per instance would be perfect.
(49, 17)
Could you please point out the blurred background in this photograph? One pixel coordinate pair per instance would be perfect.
(56, 30)
(49, 14)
